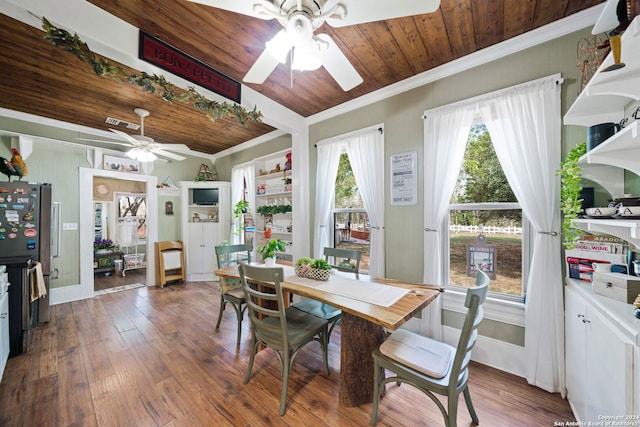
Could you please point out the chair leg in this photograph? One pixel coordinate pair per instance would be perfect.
(452, 416)
(325, 351)
(239, 312)
(254, 348)
(222, 305)
(376, 392)
(472, 412)
(286, 367)
(333, 325)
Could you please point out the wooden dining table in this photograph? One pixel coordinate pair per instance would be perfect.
(363, 321)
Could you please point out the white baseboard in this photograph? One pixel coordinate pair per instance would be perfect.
(68, 294)
(491, 352)
(201, 277)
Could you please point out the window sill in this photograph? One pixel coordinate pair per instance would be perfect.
(503, 311)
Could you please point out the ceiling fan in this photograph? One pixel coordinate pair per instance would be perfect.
(301, 18)
(144, 148)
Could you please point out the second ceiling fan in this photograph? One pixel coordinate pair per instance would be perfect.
(301, 18)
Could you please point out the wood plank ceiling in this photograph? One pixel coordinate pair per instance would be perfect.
(42, 80)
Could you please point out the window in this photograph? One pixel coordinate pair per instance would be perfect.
(487, 229)
(134, 206)
(351, 227)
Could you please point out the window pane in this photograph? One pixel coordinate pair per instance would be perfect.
(351, 222)
(490, 240)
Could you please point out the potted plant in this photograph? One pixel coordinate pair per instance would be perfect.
(269, 249)
(318, 269)
(287, 184)
(103, 246)
(303, 266)
(571, 186)
(239, 209)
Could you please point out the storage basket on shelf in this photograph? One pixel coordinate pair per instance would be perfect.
(133, 259)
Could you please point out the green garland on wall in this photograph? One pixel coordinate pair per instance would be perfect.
(151, 83)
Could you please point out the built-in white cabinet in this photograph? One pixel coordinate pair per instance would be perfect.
(206, 222)
(602, 354)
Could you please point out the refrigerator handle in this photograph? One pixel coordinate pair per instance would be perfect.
(55, 229)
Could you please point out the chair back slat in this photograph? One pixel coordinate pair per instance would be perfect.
(344, 254)
(224, 254)
(261, 315)
(469, 334)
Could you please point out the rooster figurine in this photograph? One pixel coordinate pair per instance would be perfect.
(15, 166)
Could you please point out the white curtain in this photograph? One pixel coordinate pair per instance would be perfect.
(328, 159)
(525, 125)
(366, 154)
(446, 131)
(241, 175)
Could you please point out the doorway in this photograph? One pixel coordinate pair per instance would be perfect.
(87, 231)
(120, 237)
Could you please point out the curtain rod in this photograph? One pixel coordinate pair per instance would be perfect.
(380, 129)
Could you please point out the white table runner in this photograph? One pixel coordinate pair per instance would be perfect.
(373, 293)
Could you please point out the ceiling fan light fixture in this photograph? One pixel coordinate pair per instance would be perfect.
(279, 46)
(306, 59)
(141, 155)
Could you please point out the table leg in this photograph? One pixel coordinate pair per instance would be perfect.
(359, 338)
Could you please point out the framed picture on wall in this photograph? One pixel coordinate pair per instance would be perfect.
(120, 164)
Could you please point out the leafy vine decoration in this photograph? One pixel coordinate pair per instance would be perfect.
(151, 83)
(571, 186)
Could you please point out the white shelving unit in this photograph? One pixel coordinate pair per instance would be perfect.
(604, 99)
(272, 190)
(602, 335)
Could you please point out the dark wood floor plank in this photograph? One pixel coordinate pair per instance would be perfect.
(75, 401)
(152, 357)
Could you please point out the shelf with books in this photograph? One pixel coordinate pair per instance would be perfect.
(626, 229)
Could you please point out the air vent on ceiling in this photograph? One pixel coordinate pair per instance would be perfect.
(122, 123)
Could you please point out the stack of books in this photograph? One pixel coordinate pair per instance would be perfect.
(602, 249)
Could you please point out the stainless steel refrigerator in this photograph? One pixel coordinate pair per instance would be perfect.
(25, 238)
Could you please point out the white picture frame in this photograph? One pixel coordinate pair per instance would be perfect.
(120, 164)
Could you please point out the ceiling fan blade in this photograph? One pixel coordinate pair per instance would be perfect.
(243, 7)
(126, 136)
(262, 68)
(173, 147)
(104, 141)
(167, 154)
(362, 11)
(339, 66)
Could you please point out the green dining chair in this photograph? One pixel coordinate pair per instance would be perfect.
(282, 329)
(343, 260)
(230, 289)
(431, 366)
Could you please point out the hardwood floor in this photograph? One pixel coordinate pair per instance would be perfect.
(103, 283)
(151, 357)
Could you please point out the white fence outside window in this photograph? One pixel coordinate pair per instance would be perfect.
(486, 229)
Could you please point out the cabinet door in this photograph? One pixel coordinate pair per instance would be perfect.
(210, 239)
(576, 346)
(609, 367)
(195, 248)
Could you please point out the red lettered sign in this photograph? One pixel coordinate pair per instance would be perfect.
(179, 63)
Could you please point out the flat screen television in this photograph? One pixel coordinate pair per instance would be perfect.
(205, 196)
